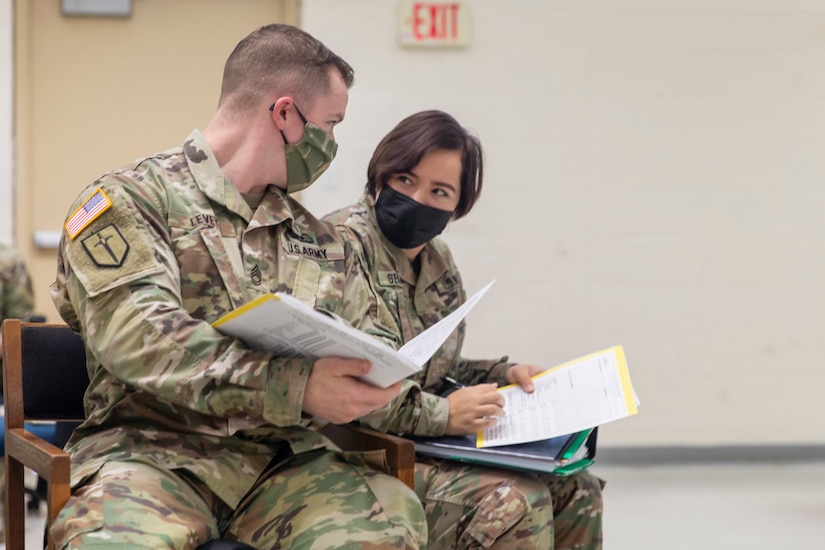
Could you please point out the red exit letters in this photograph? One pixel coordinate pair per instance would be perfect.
(435, 21)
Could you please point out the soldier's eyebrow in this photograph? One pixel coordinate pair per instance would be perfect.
(437, 183)
(448, 185)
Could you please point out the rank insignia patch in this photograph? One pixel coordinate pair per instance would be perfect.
(88, 212)
(106, 247)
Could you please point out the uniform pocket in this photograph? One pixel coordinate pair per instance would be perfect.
(83, 513)
(495, 515)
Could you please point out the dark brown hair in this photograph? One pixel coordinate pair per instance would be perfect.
(401, 150)
(279, 59)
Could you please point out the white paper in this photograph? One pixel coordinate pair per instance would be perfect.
(422, 347)
(283, 324)
(576, 396)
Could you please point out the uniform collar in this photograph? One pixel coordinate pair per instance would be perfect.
(275, 207)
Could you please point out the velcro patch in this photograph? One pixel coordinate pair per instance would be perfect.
(88, 212)
(107, 247)
(116, 249)
(389, 278)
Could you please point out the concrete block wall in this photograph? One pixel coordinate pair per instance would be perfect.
(655, 178)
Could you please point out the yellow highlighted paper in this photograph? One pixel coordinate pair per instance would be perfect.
(574, 396)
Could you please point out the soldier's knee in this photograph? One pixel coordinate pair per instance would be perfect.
(589, 490)
(402, 508)
(515, 512)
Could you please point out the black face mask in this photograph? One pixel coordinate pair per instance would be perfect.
(405, 222)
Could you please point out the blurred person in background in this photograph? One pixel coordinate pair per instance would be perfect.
(16, 302)
(16, 294)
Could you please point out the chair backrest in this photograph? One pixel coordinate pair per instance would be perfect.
(44, 378)
(48, 379)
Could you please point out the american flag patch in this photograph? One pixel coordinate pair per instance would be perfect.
(88, 212)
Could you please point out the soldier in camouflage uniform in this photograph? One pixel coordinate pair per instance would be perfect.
(425, 172)
(190, 435)
(16, 295)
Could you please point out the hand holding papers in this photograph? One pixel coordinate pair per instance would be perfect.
(282, 324)
(553, 429)
(575, 396)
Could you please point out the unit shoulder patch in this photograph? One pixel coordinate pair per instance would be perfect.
(107, 247)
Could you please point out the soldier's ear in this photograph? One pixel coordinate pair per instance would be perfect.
(281, 109)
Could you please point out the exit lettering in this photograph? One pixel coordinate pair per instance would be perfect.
(433, 23)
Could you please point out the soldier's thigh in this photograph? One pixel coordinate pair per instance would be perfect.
(321, 501)
(134, 505)
(477, 507)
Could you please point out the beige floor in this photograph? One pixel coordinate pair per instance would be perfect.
(707, 507)
(719, 507)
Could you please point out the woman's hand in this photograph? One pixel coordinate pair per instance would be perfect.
(522, 375)
(473, 409)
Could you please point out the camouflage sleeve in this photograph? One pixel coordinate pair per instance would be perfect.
(413, 412)
(134, 324)
(484, 370)
(17, 299)
(468, 371)
(419, 412)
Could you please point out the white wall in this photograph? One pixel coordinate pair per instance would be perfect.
(654, 179)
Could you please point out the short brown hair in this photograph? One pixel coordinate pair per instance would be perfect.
(401, 150)
(278, 59)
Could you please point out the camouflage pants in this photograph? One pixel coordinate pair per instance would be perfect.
(314, 501)
(577, 511)
(473, 507)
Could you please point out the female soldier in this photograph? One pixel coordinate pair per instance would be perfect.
(426, 172)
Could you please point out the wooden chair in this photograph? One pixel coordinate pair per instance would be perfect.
(44, 378)
(400, 451)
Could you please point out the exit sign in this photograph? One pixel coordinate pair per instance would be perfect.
(429, 24)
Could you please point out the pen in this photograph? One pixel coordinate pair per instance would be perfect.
(450, 385)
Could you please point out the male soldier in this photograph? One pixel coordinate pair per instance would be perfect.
(190, 435)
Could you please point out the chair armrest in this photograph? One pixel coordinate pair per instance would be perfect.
(24, 449)
(400, 451)
(50, 462)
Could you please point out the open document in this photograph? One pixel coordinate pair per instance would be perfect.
(283, 324)
(578, 395)
(422, 347)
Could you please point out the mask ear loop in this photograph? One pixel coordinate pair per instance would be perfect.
(300, 114)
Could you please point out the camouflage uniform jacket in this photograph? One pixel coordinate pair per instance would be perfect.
(416, 302)
(178, 248)
(16, 294)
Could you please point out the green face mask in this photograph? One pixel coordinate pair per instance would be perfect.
(309, 158)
